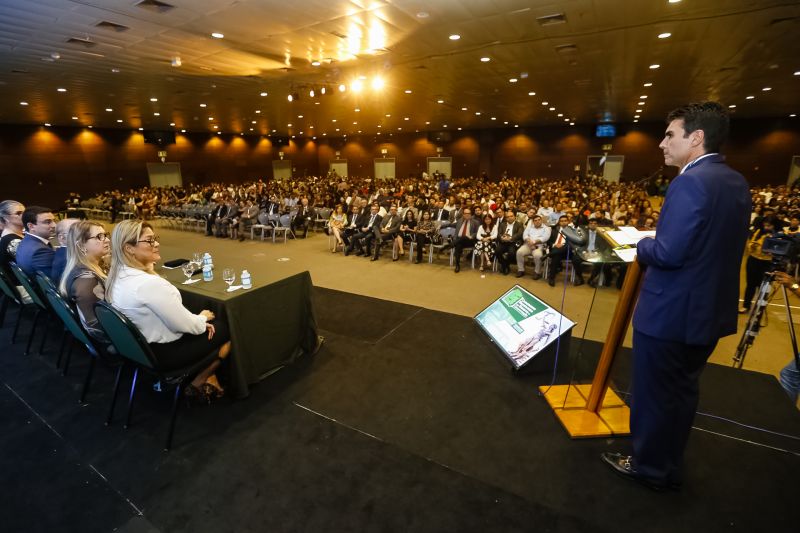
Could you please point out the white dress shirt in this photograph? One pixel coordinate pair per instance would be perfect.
(154, 305)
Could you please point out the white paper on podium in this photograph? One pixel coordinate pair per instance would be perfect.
(626, 254)
(622, 238)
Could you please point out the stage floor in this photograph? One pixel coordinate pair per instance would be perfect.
(406, 420)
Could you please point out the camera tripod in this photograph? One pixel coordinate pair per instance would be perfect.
(763, 296)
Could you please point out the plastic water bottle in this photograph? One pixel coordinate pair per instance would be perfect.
(246, 281)
(208, 273)
(207, 260)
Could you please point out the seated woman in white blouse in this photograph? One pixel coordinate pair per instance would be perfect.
(177, 337)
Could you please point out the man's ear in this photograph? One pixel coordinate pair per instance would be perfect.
(698, 137)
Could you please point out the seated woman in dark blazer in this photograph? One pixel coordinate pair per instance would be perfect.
(406, 234)
(423, 232)
(176, 335)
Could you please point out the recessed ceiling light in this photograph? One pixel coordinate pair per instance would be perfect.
(154, 99)
(342, 87)
(636, 120)
(505, 122)
(61, 90)
(512, 80)
(545, 103)
(171, 123)
(636, 116)
(439, 101)
(406, 118)
(315, 63)
(264, 93)
(516, 125)
(674, 1)
(485, 59)
(560, 115)
(664, 35)
(494, 118)
(765, 89)
(90, 126)
(115, 71)
(141, 129)
(532, 93)
(156, 114)
(459, 129)
(47, 124)
(732, 106)
(253, 122)
(477, 113)
(258, 111)
(23, 103)
(299, 116)
(109, 109)
(333, 120)
(216, 127)
(463, 109)
(202, 105)
(792, 115)
(455, 37)
(119, 120)
(210, 118)
(74, 118)
(387, 116)
(552, 108)
(638, 110)
(648, 84)
(750, 97)
(444, 125)
(407, 91)
(571, 123)
(427, 122)
(217, 35)
(654, 66)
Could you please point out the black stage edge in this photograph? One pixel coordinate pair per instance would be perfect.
(406, 420)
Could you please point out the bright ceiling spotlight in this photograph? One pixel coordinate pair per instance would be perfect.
(357, 86)
(342, 88)
(377, 83)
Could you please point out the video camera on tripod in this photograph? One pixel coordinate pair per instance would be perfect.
(784, 250)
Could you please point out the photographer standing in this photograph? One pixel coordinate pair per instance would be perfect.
(758, 262)
(790, 374)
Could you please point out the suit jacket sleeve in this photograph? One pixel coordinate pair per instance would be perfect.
(681, 218)
(42, 259)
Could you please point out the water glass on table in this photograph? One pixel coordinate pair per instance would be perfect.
(229, 276)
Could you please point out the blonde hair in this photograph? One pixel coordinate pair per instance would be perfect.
(77, 235)
(126, 232)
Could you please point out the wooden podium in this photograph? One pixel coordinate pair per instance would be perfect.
(592, 410)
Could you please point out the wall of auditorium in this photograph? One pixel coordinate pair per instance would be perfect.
(43, 165)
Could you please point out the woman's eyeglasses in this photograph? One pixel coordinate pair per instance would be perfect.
(100, 237)
(151, 241)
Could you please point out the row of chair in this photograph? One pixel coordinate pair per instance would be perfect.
(128, 348)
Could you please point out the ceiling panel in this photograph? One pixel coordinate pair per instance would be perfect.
(590, 67)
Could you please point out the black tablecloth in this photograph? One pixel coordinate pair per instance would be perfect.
(271, 324)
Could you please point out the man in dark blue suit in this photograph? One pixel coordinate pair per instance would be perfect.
(35, 253)
(689, 294)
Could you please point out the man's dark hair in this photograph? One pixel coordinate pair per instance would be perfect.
(710, 117)
(30, 214)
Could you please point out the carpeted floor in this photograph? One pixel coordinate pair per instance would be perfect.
(406, 420)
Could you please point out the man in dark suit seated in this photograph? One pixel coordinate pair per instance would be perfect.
(304, 217)
(466, 231)
(386, 231)
(593, 248)
(60, 258)
(558, 253)
(363, 238)
(355, 221)
(35, 253)
(509, 238)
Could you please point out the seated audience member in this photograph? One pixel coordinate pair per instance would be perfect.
(247, 218)
(509, 238)
(304, 218)
(485, 244)
(60, 258)
(406, 233)
(794, 225)
(11, 216)
(387, 230)
(35, 253)
(227, 218)
(177, 337)
(423, 233)
(594, 244)
(87, 248)
(534, 238)
(466, 232)
(758, 262)
(336, 226)
(363, 238)
(558, 251)
(355, 220)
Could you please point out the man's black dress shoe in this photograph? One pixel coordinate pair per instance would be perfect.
(458, 268)
(359, 254)
(621, 464)
(374, 258)
(551, 282)
(578, 282)
(520, 274)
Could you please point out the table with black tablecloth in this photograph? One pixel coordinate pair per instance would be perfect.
(271, 324)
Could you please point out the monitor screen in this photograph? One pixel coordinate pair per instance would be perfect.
(606, 130)
(522, 325)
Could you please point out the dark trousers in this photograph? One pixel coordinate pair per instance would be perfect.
(557, 255)
(347, 235)
(665, 396)
(362, 240)
(506, 254)
(754, 273)
(421, 240)
(381, 238)
(460, 244)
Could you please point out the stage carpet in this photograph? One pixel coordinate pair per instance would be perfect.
(407, 420)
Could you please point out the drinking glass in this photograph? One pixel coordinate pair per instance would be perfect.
(197, 258)
(188, 270)
(228, 276)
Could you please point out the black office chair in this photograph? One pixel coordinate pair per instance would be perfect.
(43, 283)
(131, 345)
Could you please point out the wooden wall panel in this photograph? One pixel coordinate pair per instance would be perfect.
(42, 165)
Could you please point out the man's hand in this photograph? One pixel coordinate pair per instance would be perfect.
(784, 279)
